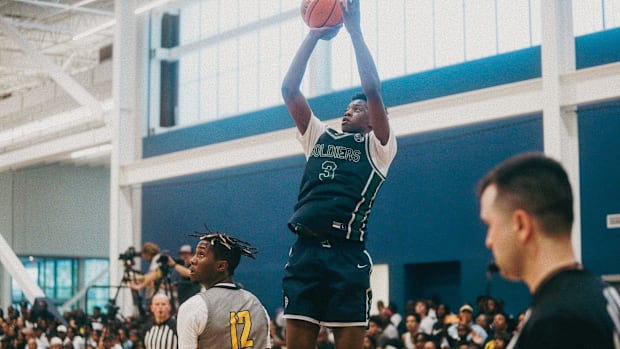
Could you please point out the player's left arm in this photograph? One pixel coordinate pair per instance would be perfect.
(371, 84)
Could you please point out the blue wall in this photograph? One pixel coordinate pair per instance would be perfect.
(426, 212)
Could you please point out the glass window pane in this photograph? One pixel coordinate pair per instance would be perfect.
(229, 15)
(248, 78)
(587, 16)
(189, 95)
(228, 78)
(611, 13)
(420, 49)
(513, 31)
(390, 21)
(448, 32)
(480, 29)
(96, 296)
(48, 281)
(65, 280)
(190, 17)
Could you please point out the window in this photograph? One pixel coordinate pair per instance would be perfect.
(59, 279)
(234, 54)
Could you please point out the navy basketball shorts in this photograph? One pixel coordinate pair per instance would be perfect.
(328, 283)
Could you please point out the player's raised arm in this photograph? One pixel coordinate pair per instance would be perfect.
(294, 99)
(371, 84)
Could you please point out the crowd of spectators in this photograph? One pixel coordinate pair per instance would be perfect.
(429, 324)
(35, 327)
(425, 324)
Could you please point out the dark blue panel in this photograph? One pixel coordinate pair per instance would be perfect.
(599, 153)
(598, 48)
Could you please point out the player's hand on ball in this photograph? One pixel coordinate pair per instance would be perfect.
(327, 33)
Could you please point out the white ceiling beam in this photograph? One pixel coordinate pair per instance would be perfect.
(458, 110)
(70, 85)
(73, 8)
(53, 149)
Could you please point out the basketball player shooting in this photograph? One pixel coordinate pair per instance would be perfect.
(327, 278)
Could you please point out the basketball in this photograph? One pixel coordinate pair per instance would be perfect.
(321, 13)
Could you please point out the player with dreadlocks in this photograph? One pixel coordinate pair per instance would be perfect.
(223, 315)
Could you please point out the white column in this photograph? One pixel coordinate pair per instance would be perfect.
(561, 139)
(126, 148)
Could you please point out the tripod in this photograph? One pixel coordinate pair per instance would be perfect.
(129, 274)
(163, 283)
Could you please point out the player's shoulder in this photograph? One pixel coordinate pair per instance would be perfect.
(192, 303)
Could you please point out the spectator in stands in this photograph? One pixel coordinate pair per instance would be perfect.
(420, 339)
(123, 338)
(109, 341)
(277, 340)
(31, 343)
(499, 328)
(40, 311)
(412, 325)
(77, 341)
(476, 333)
(481, 304)
(396, 319)
(491, 308)
(61, 332)
(375, 330)
(96, 316)
(40, 333)
(429, 345)
(440, 328)
(56, 343)
(482, 320)
(462, 337)
(323, 340)
(426, 322)
(369, 342)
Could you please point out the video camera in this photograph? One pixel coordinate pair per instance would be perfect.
(163, 263)
(130, 254)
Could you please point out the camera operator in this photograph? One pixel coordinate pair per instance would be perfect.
(151, 253)
(184, 285)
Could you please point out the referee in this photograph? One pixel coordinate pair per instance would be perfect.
(163, 333)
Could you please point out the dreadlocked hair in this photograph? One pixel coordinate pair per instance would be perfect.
(227, 248)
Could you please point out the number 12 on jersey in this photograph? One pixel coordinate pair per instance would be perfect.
(241, 318)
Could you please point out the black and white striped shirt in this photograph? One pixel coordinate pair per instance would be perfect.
(162, 336)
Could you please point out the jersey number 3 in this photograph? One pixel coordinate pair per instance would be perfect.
(329, 171)
(242, 318)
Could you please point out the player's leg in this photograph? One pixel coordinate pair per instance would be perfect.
(302, 334)
(349, 337)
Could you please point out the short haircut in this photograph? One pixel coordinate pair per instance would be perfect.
(359, 96)
(537, 184)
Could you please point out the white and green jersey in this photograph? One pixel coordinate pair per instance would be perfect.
(343, 174)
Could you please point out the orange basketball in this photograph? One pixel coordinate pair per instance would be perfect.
(321, 13)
